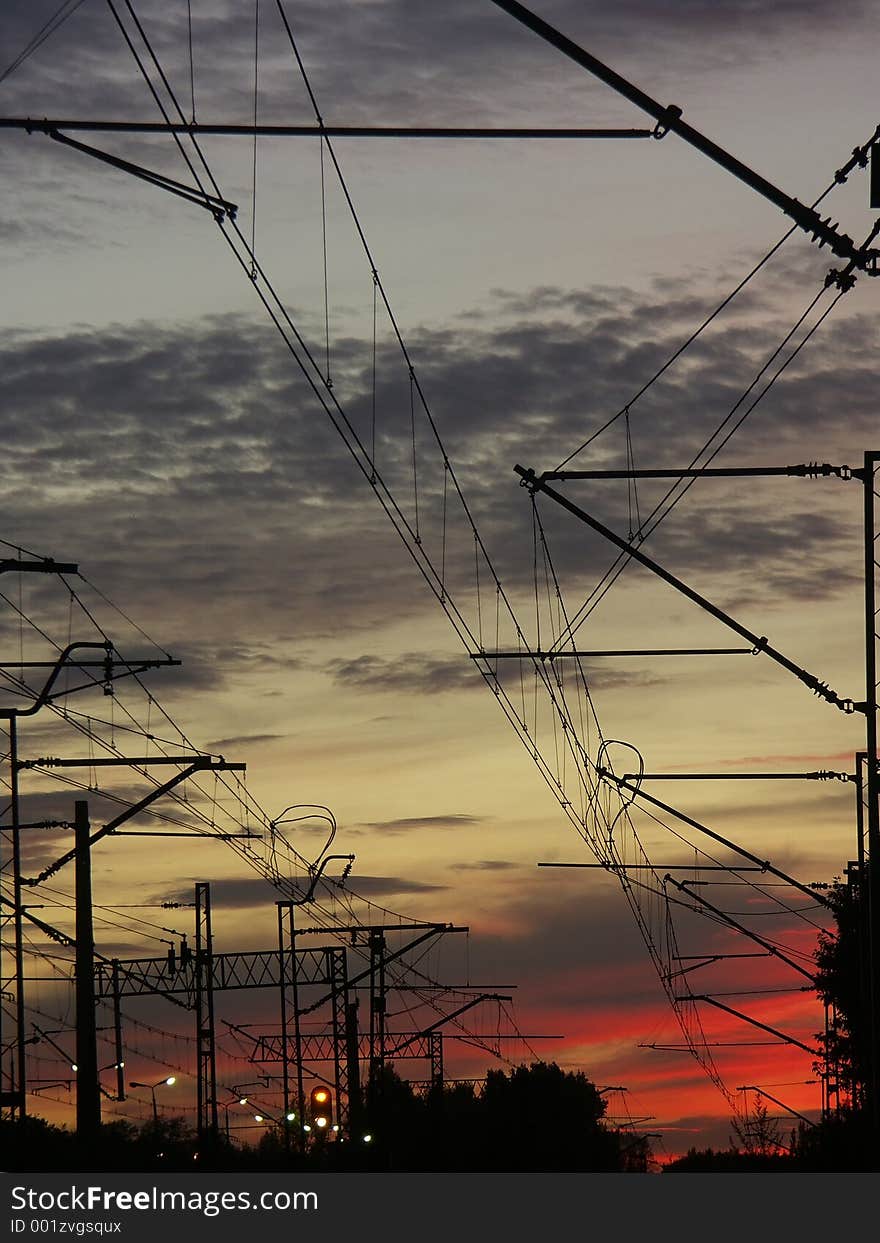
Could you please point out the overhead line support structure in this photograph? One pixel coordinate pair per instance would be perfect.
(537, 483)
(802, 470)
(684, 887)
(287, 967)
(223, 129)
(773, 1031)
(88, 1093)
(751, 1087)
(199, 764)
(666, 867)
(43, 565)
(560, 653)
(670, 120)
(869, 819)
(13, 1100)
(763, 864)
(206, 1042)
(822, 774)
(871, 789)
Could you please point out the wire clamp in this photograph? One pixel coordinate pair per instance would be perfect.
(671, 114)
(842, 278)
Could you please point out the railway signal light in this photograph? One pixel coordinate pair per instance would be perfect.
(321, 1107)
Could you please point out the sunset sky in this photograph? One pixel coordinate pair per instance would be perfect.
(158, 432)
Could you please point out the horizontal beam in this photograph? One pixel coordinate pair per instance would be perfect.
(109, 761)
(222, 128)
(350, 928)
(627, 651)
(44, 566)
(811, 470)
(202, 836)
(437, 988)
(252, 969)
(660, 867)
(823, 774)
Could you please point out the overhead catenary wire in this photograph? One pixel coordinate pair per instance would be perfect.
(607, 849)
(87, 728)
(49, 27)
(678, 490)
(443, 579)
(446, 466)
(859, 157)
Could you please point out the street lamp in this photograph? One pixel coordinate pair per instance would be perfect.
(290, 1116)
(133, 1083)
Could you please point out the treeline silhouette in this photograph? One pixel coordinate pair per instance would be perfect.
(533, 1118)
(847, 980)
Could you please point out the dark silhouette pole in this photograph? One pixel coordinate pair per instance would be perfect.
(88, 1094)
(872, 808)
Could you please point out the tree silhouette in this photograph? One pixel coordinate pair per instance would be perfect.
(533, 1118)
(847, 1139)
(758, 1133)
(540, 1117)
(530, 1119)
(842, 983)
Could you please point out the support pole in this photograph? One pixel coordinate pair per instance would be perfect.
(287, 971)
(872, 809)
(288, 980)
(337, 973)
(205, 1035)
(435, 1047)
(88, 1093)
(297, 1034)
(18, 1091)
(117, 1032)
(284, 956)
(355, 1107)
(377, 1005)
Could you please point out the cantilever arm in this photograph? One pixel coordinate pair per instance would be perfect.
(536, 483)
(43, 697)
(669, 118)
(198, 765)
(468, 1005)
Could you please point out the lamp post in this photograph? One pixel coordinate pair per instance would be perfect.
(226, 1106)
(133, 1083)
